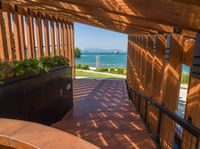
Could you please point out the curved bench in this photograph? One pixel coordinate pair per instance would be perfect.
(21, 134)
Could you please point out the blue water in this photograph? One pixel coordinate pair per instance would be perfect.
(106, 59)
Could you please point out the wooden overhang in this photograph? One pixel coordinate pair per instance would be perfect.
(126, 16)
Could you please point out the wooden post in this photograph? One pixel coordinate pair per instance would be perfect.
(53, 52)
(21, 28)
(9, 37)
(2, 38)
(58, 37)
(73, 54)
(46, 37)
(17, 35)
(62, 38)
(171, 87)
(68, 41)
(28, 36)
(39, 37)
(33, 52)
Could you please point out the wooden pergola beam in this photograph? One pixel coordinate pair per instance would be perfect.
(173, 13)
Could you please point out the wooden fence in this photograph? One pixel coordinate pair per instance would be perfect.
(28, 34)
(154, 69)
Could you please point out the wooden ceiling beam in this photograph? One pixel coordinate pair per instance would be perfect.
(64, 7)
(173, 13)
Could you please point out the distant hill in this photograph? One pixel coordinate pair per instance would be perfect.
(99, 50)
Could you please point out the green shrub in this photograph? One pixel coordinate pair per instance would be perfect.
(120, 70)
(185, 78)
(102, 69)
(6, 70)
(30, 66)
(54, 61)
(78, 66)
(86, 67)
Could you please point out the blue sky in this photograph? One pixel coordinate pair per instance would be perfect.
(92, 37)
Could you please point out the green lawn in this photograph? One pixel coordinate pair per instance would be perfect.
(94, 75)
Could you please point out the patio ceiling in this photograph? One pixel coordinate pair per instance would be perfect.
(126, 16)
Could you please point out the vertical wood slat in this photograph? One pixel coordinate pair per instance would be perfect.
(2, 38)
(46, 36)
(65, 39)
(21, 28)
(62, 38)
(70, 44)
(17, 36)
(28, 36)
(73, 54)
(9, 37)
(68, 41)
(58, 38)
(171, 87)
(53, 52)
(32, 37)
(39, 37)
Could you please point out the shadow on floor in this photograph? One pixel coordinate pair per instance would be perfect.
(104, 116)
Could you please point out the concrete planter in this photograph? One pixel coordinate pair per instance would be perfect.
(43, 97)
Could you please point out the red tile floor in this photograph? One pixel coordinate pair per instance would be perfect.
(104, 116)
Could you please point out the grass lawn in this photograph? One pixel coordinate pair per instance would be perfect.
(94, 75)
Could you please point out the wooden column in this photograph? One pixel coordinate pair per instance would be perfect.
(39, 37)
(73, 54)
(9, 37)
(17, 36)
(62, 38)
(28, 36)
(22, 37)
(53, 52)
(58, 38)
(33, 52)
(2, 38)
(65, 39)
(68, 41)
(170, 88)
(46, 37)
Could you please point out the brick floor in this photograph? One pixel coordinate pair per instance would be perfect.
(104, 116)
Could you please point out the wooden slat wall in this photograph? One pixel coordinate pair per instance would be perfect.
(160, 80)
(28, 28)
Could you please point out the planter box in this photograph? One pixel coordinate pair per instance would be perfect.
(43, 97)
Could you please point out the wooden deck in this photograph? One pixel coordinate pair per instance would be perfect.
(104, 116)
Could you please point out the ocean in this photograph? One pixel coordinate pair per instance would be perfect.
(106, 59)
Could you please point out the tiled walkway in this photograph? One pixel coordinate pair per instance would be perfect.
(104, 116)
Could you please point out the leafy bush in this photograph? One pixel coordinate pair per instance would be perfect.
(54, 61)
(85, 67)
(185, 78)
(6, 70)
(30, 66)
(102, 69)
(120, 70)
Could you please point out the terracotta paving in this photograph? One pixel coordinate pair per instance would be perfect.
(104, 116)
